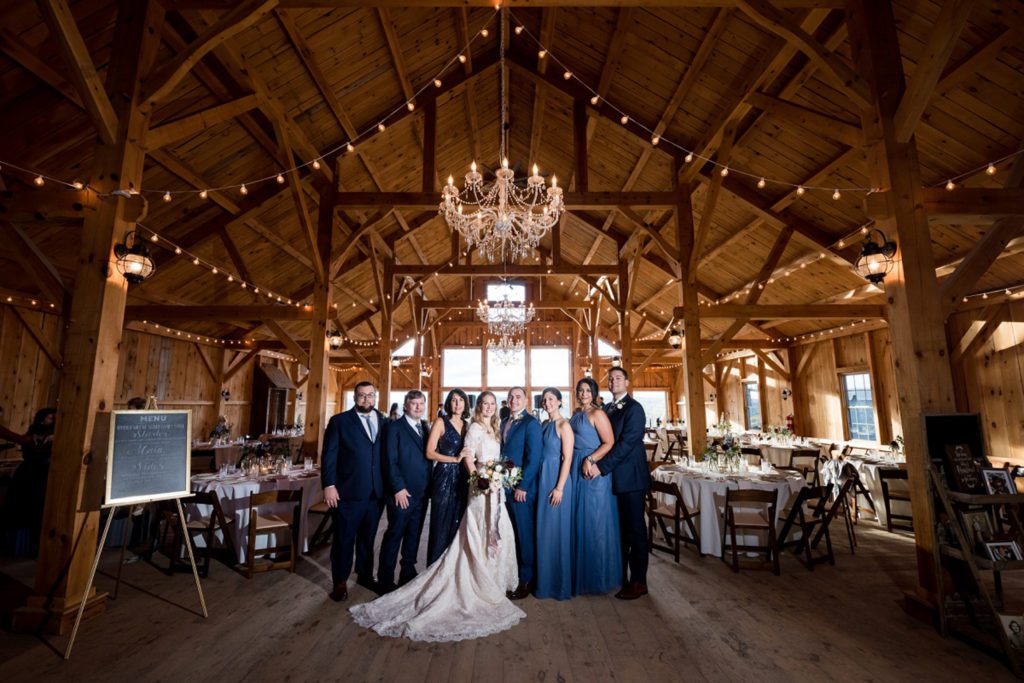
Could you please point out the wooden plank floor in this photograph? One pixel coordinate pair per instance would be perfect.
(701, 622)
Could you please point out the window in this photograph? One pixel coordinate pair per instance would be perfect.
(511, 375)
(655, 405)
(406, 349)
(499, 291)
(461, 368)
(398, 396)
(606, 350)
(859, 405)
(568, 403)
(549, 367)
(752, 405)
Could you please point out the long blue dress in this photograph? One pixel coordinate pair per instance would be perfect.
(448, 491)
(554, 524)
(597, 547)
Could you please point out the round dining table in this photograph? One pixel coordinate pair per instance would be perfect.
(706, 490)
(233, 492)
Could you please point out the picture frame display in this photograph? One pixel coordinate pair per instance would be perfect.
(998, 481)
(1003, 551)
(963, 470)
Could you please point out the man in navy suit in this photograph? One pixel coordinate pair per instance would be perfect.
(521, 443)
(354, 487)
(631, 479)
(407, 477)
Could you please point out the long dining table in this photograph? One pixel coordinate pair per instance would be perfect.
(705, 490)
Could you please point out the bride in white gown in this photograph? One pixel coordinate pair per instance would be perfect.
(462, 595)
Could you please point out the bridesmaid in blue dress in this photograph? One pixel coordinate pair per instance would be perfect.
(597, 562)
(449, 482)
(554, 514)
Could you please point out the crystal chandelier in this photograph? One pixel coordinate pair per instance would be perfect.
(503, 219)
(506, 349)
(505, 318)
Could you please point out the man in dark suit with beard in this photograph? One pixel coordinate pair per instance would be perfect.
(354, 487)
(631, 479)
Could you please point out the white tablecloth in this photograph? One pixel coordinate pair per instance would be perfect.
(778, 454)
(707, 491)
(234, 499)
(867, 469)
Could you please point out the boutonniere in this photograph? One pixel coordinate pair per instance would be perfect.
(618, 404)
(517, 417)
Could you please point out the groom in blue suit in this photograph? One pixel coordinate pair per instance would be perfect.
(350, 471)
(631, 479)
(407, 477)
(521, 443)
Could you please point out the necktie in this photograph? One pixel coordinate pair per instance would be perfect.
(371, 424)
(419, 429)
(508, 426)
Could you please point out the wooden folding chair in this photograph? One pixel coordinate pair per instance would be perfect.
(677, 512)
(201, 527)
(325, 529)
(886, 476)
(840, 503)
(652, 450)
(806, 460)
(739, 516)
(273, 524)
(806, 513)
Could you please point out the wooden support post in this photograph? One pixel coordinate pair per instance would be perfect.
(88, 377)
(387, 308)
(693, 366)
(798, 421)
(579, 138)
(914, 312)
(319, 362)
(429, 144)
(625, 328)
(762, 393)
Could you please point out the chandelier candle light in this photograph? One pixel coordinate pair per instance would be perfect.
(504, 220)
(505, 318)
(506, 349)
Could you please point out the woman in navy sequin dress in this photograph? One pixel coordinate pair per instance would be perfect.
(448, 485)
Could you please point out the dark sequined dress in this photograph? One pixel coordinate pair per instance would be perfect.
(448, 491)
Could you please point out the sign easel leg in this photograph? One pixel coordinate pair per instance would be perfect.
(191, 556)
(92, 576)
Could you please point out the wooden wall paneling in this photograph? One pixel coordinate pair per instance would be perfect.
(31, 377)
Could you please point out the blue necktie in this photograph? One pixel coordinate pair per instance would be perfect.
(372, 425)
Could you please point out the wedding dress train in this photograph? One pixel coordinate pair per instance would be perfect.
(462, 595)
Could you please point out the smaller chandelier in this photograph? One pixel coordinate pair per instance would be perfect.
(505, 318)
(133, 259)
(506, 349)
(675, 338)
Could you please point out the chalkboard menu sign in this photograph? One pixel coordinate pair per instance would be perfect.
(955, 445)
(149, 456)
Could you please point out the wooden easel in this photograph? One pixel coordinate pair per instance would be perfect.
(96, 563)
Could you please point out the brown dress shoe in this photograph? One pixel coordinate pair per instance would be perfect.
(340, 592)
(632, 591)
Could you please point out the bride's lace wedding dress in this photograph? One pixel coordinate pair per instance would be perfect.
(462, 595)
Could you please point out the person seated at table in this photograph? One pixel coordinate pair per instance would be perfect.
(23, 507)
(407, 478)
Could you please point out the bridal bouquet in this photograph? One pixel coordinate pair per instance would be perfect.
(495, 475)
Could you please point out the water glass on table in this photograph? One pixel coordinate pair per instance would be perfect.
(307, 464)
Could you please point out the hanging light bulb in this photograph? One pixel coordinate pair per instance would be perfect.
(462, 59)
(655, 140)
(724, 172)
(484, 32)
(519, 29)
(410, 105)
(381, 127)
(315, 164)
(177, 251)
(437, 82)
(542, 54)
(594, 100)
(195, 261)
(167, 196)
(991, 170)
(689, 157)
(761, 183)
(39, 181)
(950, 185)
(280, 179)
(567, 75)
(203, 194)
(77, 184)
(350, 148)
(243, 189)
(835, 195)
(800, 191)
(153, 237)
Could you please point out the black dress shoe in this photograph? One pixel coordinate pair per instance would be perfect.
(632, 591)
(368, 583)
(521, 591)
(340, 592)
(385, 588)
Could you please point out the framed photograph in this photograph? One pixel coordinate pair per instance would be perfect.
(1003, 551)
(998, 481)
(978, 526)
(1014, 628)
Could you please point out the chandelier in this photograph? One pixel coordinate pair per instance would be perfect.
(506, 349)
(505, 318)
(504, 219)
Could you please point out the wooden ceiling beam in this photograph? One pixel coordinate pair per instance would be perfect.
(217, 313)
(522, 4)
(945, 33)
(792, 311)
(510, 269)
(830, 127)
(90, 87)
(158, 86)
(711, 193)
(197, 122)
(833, 66)
(573, 200)
(38, 266)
